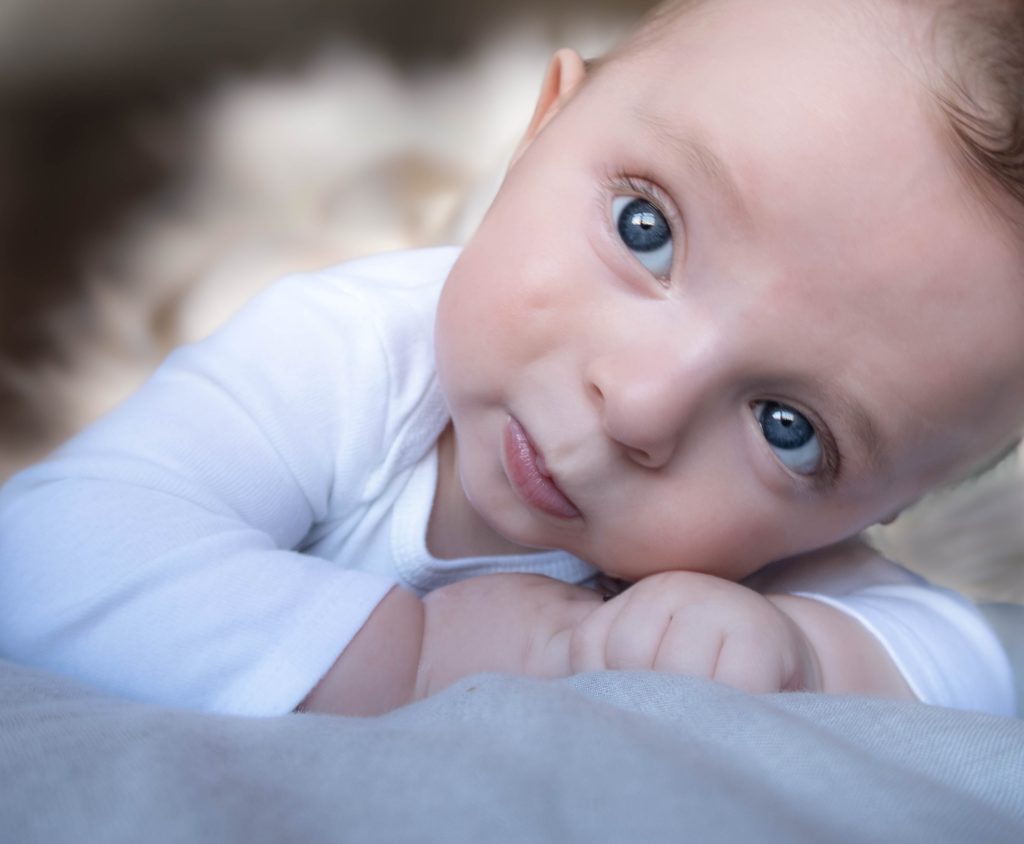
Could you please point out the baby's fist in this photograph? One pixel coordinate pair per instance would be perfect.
(690, 623)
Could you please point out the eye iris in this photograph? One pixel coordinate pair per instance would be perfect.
(784, 428)
(643, 227)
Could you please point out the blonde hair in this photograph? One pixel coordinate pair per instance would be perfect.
(981, 91)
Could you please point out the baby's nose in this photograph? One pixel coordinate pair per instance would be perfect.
(644, 404)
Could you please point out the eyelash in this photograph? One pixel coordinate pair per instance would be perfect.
(829, 474)
(620, 182)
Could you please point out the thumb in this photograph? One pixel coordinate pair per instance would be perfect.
(550, 651)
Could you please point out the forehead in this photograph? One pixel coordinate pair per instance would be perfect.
(856, 229)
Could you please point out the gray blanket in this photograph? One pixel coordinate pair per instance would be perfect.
(607, 757)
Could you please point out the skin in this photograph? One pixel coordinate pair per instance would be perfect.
(849, 270)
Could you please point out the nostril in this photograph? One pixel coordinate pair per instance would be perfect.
(638, 455)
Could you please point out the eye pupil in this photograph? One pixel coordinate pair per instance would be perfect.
(791, 436)
(784, 428)
(643, 227)
(645, 219)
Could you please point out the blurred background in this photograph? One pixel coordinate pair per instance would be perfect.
(162, 160)
(158, 151)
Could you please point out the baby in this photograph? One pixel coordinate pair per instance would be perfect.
(752, 283)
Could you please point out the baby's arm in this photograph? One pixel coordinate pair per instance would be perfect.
(691, 623)
(847, 657)
(943, 647)
(843, 620)
(409, 649)
(696, 624)
(377, 670)
(158, 555)
(677, 622)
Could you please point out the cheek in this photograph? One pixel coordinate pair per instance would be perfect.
(466, 318)
(705, 542)
(712, 540)
(509, 311)
(700, 523)
(729, 526)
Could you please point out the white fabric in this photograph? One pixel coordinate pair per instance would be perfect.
(945, 649)
(217, 541)
(914, 624)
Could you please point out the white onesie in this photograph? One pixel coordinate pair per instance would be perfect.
(217, 540)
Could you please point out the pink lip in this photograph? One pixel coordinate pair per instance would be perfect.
(528, 474)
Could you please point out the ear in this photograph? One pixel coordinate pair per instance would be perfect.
(564, 74)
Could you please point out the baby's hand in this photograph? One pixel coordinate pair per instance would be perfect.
(689, 623)
(499, 622)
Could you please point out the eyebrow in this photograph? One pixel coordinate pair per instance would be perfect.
(858, 421)
(699, 156)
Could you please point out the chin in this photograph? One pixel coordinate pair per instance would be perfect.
(520, 531)
(521, 527)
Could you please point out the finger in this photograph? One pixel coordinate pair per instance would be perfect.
(573, 605)
(548, 652)
(636, 633)
(692, 644)
(589, 637)
(552, 655)
(751, 663)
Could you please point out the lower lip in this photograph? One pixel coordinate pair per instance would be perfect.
(522, 465)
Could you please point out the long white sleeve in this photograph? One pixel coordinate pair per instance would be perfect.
(940, 642)
(153, 554)
(942, 645)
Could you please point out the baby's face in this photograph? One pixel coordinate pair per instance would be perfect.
(732, 303)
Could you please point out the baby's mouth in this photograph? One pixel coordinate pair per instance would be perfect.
(529, 476)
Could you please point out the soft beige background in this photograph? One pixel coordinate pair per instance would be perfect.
(162, 160)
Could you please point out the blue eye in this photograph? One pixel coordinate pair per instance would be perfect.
(790, 436)
(645, 232)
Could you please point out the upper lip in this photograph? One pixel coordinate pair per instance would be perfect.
(543, 468)
(541, 462)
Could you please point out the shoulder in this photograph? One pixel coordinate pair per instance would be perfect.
(353, 310)
(393, 295)
(405, 281)
(347, 350)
